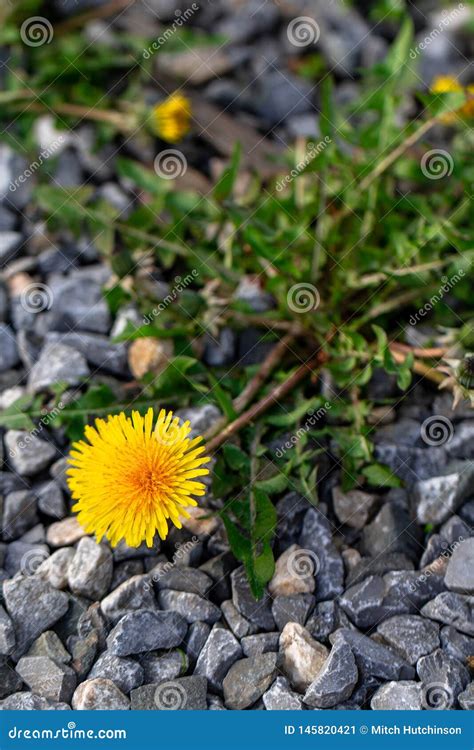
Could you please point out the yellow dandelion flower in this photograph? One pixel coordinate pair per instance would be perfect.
(131, 477)
(172, 118)
(449, 84)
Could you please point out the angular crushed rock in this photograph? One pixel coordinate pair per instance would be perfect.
(182, 694)
(57, 364)
(191, 606)
(452, 609)
(248, 679)
(294, 573)
(411, 636)
(374, 659)
(90, 570)
(398, 696)
(24, 701)
(27, 453)
(99, 694)
(125, 673)
(303, 657)
(179, 578)
(460, 572)
(294, 608)
(132, 595)
(337, 679)
(33, 606)
(143, 631)
(220, 651)
(7, 634)
(165, 667)
(280, 697)
(47, 678)
(257, 612)
(435, 499)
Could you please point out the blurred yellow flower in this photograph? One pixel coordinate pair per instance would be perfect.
(172, 118)
(449, 84)
(131, 477)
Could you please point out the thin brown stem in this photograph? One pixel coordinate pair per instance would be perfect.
(266, 402)
(428, 353)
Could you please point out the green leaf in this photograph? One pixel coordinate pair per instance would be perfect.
(265, 515)
(235, 457)
(379, 475)
(275, 484)
(225, 185)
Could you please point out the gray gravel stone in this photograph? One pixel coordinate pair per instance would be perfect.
(19, 514)
(292, 609)
(25, 558)
(236, 622)
(10, 681)
(55, 568)
(143, 631)
(280, 697)
(57, 364)
(51, 499)
(456, 644)
(374, 659)
(248, 679)
(191, 606)
(48, 644)
(411, 636)
(435, 499)
(125, 673)
(182, 694)
(198, 634)
(10, 243)
(460, 573)
(220, 351)
(257, 612)
(78, 303)
(337, 679)
(353, 507)
(90, 570)
(261, 643)
(132, 595)
(98, 350)
(466, 698)
(316, 537)
(165, 667)
(183, 578)
(24, 701)
(379, 565)
(34, 606)
(8, 349)
(47, 678)
(200, 417)
(398, 696)
(391, 531)
(7, 634)
(221, 650)
(27, 453)
(443, 679)
(99, 694)
(452, 609)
